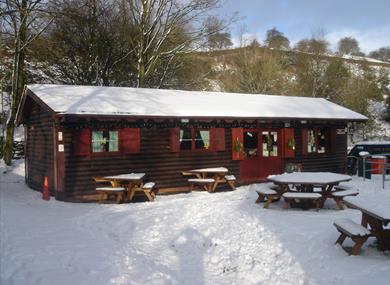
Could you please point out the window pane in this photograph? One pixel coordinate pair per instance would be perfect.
(270, 144)
(321, 144)
(97, 141)
(251, 144)
(311, 142)
(113, 141)
(185, 139)
(202, 139)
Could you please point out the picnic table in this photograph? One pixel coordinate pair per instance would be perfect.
(375, 211)
(216, 175)
(132, 182)
(307, 181)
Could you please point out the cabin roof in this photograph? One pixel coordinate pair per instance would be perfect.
(139, 102)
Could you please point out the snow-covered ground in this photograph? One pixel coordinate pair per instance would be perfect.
(197, 238)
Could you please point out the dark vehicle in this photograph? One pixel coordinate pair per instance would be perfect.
(372, 148)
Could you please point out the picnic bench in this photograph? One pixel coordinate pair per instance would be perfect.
(358, 233)
(319, 183)
(125, 186)
(210, 178)
(375, 215)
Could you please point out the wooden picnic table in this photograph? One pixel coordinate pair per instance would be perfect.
(375, 211)
(216, 173)
(307, 181)
(132, 182)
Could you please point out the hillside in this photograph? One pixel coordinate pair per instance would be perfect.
(258, 70)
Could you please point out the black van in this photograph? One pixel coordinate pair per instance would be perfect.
(370, 147)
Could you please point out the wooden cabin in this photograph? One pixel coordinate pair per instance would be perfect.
(75, 132)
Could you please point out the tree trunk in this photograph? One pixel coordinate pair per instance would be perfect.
(18, 80)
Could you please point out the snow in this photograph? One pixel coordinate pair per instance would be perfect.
(267, 191)
(374, 143)
(130, 176)
(70, 99)
(352, 227)
(211, 170)
(344, 193)
(309, 177)
(378, 204)
(298, 195)
(196, 238)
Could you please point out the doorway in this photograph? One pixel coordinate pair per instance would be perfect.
(262, 154)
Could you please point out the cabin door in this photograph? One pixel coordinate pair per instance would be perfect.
(262, 154)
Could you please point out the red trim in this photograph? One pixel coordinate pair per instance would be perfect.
(217, 137)
(130, 140)
(237, 138)
(288, 134)
(82, 142)
(174, 139)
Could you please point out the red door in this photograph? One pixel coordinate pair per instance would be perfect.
(262, 154)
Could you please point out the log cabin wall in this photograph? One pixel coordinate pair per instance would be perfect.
(334, 160)
(39, 151)
(155, 159)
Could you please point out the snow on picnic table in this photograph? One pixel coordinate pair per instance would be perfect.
(197, 238)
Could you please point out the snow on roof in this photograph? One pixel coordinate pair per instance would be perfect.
(97, 100)
(373, 143)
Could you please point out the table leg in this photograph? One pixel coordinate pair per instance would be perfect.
(377, 230)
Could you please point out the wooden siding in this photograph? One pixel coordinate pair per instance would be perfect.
(334, 160)
(155, 159)
(39, 148)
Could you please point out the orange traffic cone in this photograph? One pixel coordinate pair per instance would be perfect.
(46, 194)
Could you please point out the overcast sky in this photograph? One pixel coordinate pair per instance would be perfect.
(366, 20)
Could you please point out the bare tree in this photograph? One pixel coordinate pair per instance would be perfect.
(311, 66)
(156, 24)
(348, 45)
(86, 42)
(254, 70)
(276, 39)
(23, 22)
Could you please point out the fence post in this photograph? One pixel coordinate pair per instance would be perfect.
(384, 169)
(364, 168)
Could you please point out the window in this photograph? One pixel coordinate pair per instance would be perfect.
(251, 144)
(194, 139)
(270, 143)
(105, 141)
(316, 141)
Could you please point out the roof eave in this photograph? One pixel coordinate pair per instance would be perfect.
(94, 115)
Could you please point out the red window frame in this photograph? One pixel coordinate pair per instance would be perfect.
(129, 141)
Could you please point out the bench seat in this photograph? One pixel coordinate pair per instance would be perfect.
(355, 231)
(206, 183)
(110, 189)
(303, 197)
(268, 195)
(343, 187)
(107, 191)
(231, 181)
(339, 195)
